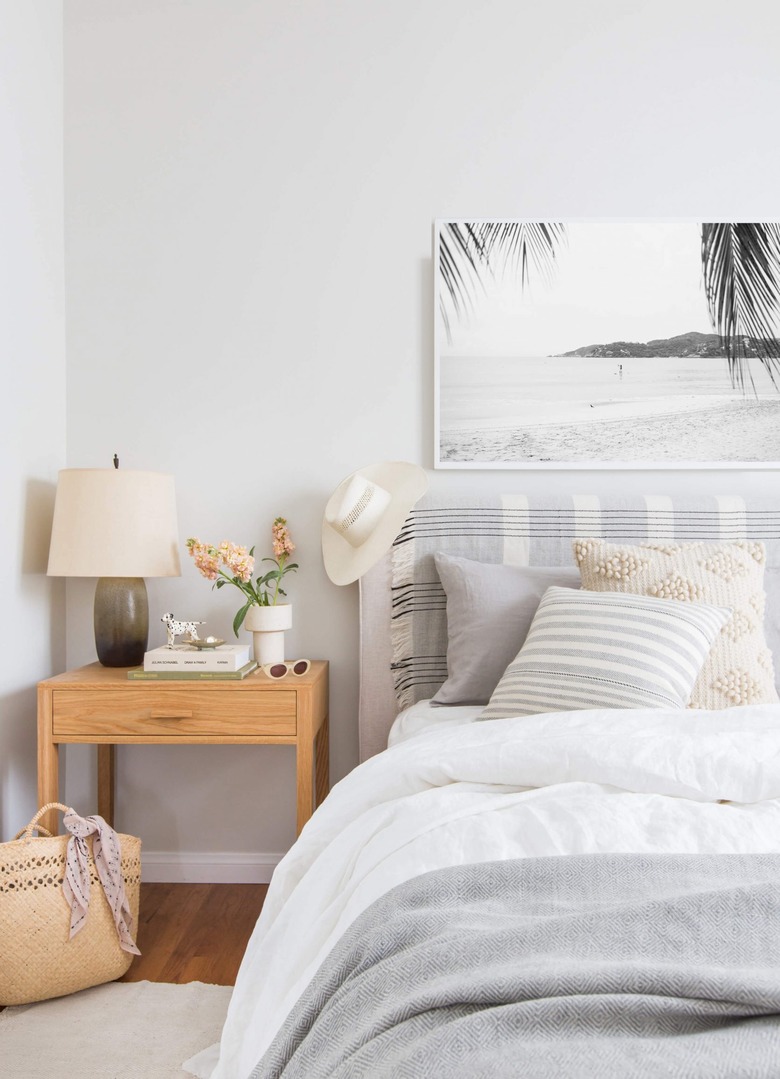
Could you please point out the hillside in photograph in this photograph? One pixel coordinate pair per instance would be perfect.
(684, 344)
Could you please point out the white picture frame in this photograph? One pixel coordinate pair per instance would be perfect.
(507, 397)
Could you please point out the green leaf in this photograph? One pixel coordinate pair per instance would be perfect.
(238, 621)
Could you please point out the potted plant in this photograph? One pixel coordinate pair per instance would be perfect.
(262, 612)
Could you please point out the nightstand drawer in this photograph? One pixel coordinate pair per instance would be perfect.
(141, 710)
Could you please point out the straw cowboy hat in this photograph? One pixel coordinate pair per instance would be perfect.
(364, 515)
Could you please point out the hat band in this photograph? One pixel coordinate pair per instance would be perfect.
(358, 510)
(359, 507)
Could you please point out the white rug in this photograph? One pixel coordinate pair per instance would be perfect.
(124, 1030)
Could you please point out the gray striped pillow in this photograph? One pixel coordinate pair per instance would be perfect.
(607, 650)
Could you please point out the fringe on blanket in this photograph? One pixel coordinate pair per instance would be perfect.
(402, 623)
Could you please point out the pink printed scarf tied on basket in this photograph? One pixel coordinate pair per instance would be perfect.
(108, 863)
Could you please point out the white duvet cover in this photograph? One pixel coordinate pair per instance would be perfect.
(560, 783)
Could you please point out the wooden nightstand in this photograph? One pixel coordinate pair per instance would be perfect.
(99, 705)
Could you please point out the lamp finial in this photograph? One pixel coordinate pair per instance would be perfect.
(116, 461)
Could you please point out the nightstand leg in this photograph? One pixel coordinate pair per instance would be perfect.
(322, 765)
(304, 768)
(106, 786)
(48, 763)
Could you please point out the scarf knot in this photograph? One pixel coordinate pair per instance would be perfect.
(108, 863)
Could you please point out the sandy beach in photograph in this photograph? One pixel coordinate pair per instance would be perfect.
(742, 430)
(604, 410)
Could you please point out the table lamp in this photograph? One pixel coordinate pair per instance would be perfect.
(118, 525)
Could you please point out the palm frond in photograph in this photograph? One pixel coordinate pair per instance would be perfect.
(741, 267)
(471, 251)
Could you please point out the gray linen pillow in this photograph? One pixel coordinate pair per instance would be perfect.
(489, 611)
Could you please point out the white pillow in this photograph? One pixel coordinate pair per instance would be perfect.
(606, 650)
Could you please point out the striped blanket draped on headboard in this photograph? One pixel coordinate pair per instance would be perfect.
(536, 531)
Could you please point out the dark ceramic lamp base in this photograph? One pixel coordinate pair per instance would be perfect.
(121, 621)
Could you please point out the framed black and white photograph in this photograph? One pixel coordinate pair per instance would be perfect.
(607, 344)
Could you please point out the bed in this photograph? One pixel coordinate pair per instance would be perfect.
(578, 891)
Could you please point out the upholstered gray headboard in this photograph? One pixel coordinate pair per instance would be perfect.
(403, 607)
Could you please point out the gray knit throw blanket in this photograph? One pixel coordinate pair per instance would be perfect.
(603, 966)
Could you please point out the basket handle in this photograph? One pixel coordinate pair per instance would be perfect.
(33, 826)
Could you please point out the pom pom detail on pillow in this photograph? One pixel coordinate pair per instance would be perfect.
(489, 611)
(603, 650)
(739, 669)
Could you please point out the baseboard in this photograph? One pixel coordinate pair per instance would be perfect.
(207, 867)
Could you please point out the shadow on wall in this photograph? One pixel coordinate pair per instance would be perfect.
(38, 516)
(18, 762)
(427, 367)
(38, 651)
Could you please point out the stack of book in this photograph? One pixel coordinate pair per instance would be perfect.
(184, 661)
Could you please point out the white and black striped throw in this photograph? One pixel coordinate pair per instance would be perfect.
(536, 531)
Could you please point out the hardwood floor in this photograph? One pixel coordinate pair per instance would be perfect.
(194, 932)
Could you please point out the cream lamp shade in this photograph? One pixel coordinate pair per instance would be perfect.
(118, 525)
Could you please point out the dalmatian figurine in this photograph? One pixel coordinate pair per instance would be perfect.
(175, 628)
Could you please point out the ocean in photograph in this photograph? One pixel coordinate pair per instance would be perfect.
(599, 409)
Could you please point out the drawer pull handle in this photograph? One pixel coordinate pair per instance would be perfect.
(171, 715)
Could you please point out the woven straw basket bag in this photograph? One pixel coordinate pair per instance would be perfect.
(37, 960)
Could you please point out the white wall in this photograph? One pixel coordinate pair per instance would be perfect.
(32, 362)
(250, 193)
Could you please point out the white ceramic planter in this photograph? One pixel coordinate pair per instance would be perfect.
(267, 626)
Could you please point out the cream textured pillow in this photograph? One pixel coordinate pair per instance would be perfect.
(739, 668)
